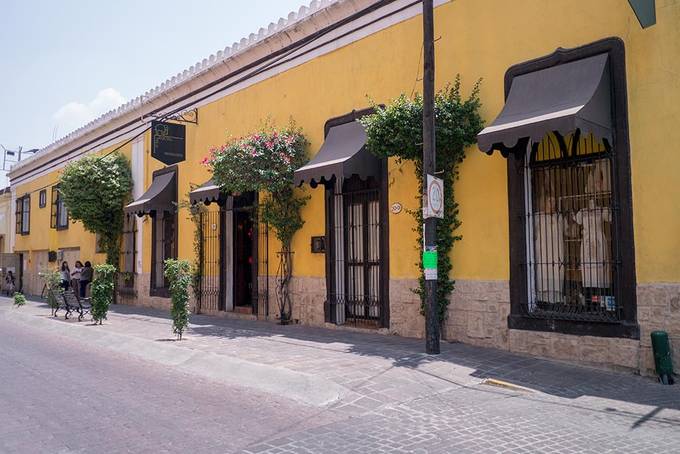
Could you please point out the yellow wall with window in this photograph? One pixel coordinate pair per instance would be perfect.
(41, 236)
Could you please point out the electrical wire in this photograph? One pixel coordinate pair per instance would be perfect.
(278, 61)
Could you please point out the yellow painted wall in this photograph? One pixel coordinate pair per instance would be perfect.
(44, 238)
(479, 39)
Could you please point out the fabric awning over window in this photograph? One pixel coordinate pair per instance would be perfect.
(161, 196)
(206, 193)
(562, 98)
(342, 155)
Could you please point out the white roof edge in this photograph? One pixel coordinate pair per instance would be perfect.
(276, 35)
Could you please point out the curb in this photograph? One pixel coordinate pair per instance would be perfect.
(301, 387)
(505, 384)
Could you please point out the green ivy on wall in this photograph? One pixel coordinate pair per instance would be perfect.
(396, 130)
(95, 189)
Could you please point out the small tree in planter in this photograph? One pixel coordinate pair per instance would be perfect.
(102, 291)
(19, 299)
(265, 162)
(178, 273)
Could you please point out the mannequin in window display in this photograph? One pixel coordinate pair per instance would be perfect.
(595, 250)
(549, 251)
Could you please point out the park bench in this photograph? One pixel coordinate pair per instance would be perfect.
(70, 303)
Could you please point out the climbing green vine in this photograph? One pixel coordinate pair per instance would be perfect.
(95, 189)
(396, 130)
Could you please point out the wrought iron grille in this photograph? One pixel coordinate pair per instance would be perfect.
(126, 278)
(356, 296)
(211, 282)
(262, 287)
(571, 213)
(164, 247)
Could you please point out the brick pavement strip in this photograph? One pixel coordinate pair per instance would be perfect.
(396, 399)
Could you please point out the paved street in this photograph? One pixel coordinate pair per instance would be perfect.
(242, 386)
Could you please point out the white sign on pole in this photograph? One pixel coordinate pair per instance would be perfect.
(433, 203)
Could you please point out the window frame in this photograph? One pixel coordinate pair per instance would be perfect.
(627, 327)
(329, 203)
(22, 229)
(42, 198)
(59, 206)
(154, 288)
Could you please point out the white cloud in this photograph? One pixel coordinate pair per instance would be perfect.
(75, 114)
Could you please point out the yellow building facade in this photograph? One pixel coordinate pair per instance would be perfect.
(333, 58)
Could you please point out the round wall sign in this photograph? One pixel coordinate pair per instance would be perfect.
(396, 208)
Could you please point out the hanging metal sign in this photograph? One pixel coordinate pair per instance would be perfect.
(168, 142)
(645, 11)
(433, 203)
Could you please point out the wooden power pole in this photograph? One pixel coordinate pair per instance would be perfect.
(429, 164)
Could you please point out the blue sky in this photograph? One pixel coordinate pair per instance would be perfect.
(65, 62)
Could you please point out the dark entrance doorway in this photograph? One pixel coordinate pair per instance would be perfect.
(245, 250)
(243, 258)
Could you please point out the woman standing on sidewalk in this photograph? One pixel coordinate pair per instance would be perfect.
(65, 276)
(75, 276)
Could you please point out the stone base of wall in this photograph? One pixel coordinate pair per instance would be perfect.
(308, 295)
(405, 317)
(141, 296)
(658, 309)
(478, 315)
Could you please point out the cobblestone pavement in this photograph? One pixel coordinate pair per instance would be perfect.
(60, 397)
(400, 400)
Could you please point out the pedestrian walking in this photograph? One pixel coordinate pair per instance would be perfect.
(10, 283)
(85, 278)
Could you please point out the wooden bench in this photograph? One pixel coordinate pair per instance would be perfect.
(70, 303)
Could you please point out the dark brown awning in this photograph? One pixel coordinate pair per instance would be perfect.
(342, 155)
(161, 196)
(562, 98)
(206, 193)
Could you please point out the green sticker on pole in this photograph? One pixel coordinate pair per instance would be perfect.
(430, 265)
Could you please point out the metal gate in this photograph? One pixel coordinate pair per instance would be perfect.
(213, 266)
(210, 259)
(357, 256)
(262, 275)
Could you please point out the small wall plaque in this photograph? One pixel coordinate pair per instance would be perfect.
(396, 208)
(318, 244)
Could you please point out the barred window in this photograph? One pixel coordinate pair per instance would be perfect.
(59, 215)
(357, 256)
(23, 215)
(569, 217)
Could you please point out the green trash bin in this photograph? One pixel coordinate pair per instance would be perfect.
(662, 357)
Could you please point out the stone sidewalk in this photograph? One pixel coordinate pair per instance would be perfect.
(419, 403)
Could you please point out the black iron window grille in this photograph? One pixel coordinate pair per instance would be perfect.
(128, 252)
(356, 294)
(210, 260)
(571, 210)
(164, 247)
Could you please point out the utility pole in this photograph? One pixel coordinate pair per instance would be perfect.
(429, 163)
